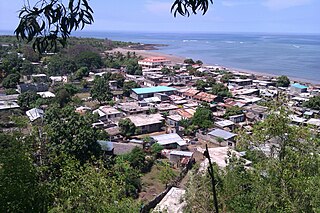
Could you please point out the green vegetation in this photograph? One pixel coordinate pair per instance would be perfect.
(313, 103)
(128, 85)
(287, 181)
(220, 90)
(127, 128)
(203, 117)
(226, 77)
(201, 85)
(101, 90)
(28, 100)
(283, 81)
(11, 81)
(234, 110)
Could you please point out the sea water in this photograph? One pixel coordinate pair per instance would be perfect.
(292, 55)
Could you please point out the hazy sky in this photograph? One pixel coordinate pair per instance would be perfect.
(280, 16)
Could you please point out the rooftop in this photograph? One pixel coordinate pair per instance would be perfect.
(222, 134)
(171, 138)
(144, 120)
(147, 90)
(299, 86)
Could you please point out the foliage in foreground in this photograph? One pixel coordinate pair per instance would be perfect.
(286, 181)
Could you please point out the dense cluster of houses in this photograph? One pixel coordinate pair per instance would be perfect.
(163, 100)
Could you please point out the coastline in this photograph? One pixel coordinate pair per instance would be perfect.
(180, 59)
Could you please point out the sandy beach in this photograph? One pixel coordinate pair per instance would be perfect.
(148, 53)
(179, 59)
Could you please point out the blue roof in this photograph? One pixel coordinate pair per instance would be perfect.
(297, 85)
(146, 90)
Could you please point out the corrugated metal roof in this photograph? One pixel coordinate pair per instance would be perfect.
(222, 134)
(171, 138)
(153, 89)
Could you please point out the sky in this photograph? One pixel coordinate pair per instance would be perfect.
(266, 16)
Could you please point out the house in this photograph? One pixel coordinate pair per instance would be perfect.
(153, 62)
(172, 122)
(237, 118)
(37, 78)
(147, 123)
(298, 88)
(240, 82)
(36, 87)
(225, 124)
(9, 97)
(180, 79)
(147, 92)
(107, 112)
(5, 105)
(170, 141)
(219, 155)
(114, 148)
(188, 93)
(256, 112)
(206, 97)
(173, 202)
(34, 114)
(46, 94)
(180, 157)
(314, 122)
(133, 108)
(223, 137)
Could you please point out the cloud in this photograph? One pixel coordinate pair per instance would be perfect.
(158, 6)
(284, 4)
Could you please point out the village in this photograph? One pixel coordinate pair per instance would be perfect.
(168, 105)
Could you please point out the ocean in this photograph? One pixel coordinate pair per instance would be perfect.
(296, 56)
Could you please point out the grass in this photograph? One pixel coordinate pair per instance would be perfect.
(151, 183)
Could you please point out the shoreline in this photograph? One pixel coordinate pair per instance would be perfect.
(180, 59)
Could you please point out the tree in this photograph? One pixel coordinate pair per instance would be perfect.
(234, 110)
(166, 174)
(81, 72)
(203, 117)
(226, 77)
(220, 90)
(28, 99)
(165, 71)
(20, 190)
(285, 181)
(127, 86)
(283, 81)
(11, 81)
(89, 59)
(27, 68)
(137, 159)
(72, 134)
(201, 85)
(313, 103)
(199, 62)
(101, 90)
(48, 23)
(127, 128)
(90, 188)
(189, 61)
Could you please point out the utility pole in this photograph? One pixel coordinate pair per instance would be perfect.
(213, 181)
